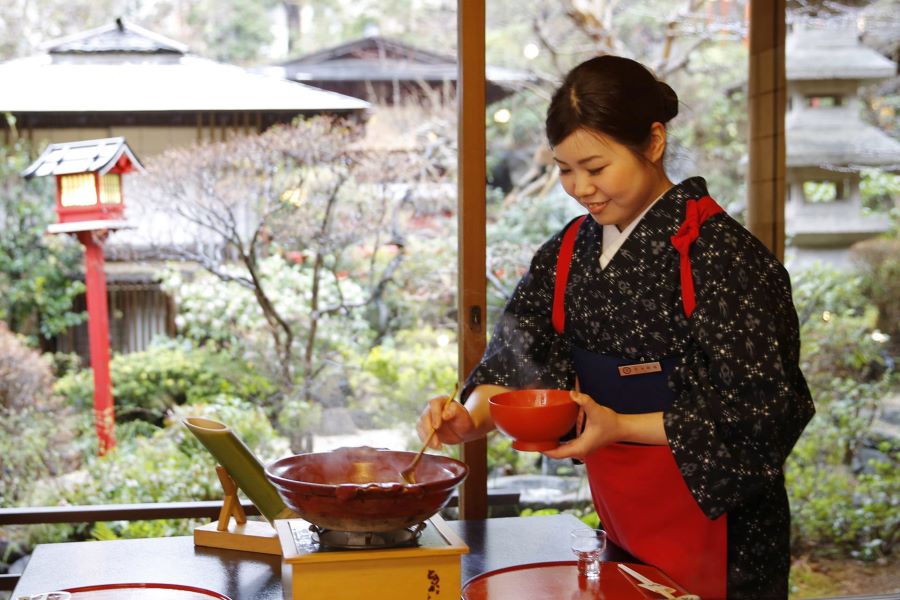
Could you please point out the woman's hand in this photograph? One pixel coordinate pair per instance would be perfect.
(457, 423)
(452, 424)
(604, 426)
(601, 427)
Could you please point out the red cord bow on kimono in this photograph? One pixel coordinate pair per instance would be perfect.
(697, 211)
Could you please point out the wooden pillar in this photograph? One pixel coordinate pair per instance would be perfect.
(766, 99)
(472, 296)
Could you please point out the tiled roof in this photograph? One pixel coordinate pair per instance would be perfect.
(120, 36)
(383, 59)
(123, 68)
(373, 47)
(86, 156)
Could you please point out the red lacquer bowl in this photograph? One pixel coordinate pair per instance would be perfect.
(360, 489)
(534, 419)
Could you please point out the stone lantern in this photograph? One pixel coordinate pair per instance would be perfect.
(828, 143)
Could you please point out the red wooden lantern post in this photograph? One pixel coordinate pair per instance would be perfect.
(89, 204)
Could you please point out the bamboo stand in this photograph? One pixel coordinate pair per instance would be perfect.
(248, 536)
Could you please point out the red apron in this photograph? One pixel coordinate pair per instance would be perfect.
(638, 490)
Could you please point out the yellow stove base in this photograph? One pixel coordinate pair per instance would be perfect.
(420, 573)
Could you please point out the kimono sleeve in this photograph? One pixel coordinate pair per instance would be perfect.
(524, 350)
(741, 400)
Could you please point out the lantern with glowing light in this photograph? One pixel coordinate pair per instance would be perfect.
(90, 204)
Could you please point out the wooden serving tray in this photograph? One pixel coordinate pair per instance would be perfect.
(555, 580)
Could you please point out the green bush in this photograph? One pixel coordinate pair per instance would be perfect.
(837, 511)
(537, 512)
(592, 519)
(586, 514)
(401, 374)
(879, 259)
(841, 347)
(34, 426)
(502, 458)
(26, 379)
(843, 503)
(38, 272)
(169, 466)
(148, 384)
(879, 189)
(821, 291)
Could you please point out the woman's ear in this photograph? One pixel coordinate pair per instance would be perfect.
(657, 146)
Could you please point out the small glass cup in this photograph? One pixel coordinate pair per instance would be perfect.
(588, 545)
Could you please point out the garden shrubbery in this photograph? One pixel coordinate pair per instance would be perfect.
(879, 260)
(399, 375)
(843, 481)
(47, 438)
(168, 465)
(35, 427)
(146, 385)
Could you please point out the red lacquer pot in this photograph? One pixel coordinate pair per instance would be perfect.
(360, 489)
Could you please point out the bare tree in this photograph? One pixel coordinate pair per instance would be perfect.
(309, 191)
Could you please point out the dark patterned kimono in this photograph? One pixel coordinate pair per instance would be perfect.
(740, 400)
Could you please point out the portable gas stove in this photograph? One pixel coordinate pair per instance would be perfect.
(419, 563)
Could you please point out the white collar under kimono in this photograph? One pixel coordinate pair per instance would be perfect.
(613, 238)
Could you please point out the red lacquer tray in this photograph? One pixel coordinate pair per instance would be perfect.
(142, 591)
(558, 580)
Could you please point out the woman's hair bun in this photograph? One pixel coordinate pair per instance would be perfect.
(669, 104)
(612, 95)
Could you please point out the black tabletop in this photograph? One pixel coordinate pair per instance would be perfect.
(238, 575)
(493, 544)
(499, 543)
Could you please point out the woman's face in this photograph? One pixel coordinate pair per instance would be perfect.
(607, 178)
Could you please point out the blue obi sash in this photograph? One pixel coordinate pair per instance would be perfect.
(610, 381)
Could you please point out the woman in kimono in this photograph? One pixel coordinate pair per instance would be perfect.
(678, 327)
